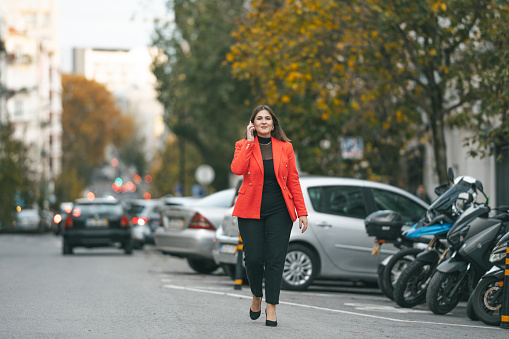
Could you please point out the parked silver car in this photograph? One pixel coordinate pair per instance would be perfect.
(188, 231)
(27, 220)
(336, 245)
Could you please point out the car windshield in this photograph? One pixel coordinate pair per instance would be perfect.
(218, 199)
(27, 213)
(135, 209)
(99, 208)
(409, 210)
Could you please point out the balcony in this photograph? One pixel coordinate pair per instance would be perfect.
(22, 59)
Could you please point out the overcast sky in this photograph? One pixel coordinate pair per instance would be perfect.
(105, 24)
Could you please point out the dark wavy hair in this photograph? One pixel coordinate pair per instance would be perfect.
(278, 132)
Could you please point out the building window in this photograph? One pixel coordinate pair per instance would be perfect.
(47, 19)
(18, 109)
(30, 19)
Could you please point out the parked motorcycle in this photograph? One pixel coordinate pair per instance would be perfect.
(472, 240)
(386, 226)
(486, 299)
(410, 288)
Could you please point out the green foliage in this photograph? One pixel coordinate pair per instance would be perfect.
(381, 69)
(165, 172)
(132, 153)
(205, 105)
(16, 184)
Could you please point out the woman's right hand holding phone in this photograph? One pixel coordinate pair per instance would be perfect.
(250, 130)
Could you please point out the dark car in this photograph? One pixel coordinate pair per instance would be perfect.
(60, 216)
(97, 223)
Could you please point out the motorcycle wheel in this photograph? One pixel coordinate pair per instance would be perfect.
(438, 297)
(380, 279)
(481, 298)
(395, 266)
(410, 288)
(470, 309)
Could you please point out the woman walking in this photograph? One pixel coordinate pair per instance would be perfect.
(269, 201)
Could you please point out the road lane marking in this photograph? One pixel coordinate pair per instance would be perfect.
(328, 309)
(382, 308)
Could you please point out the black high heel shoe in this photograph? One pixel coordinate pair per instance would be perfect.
(254, 315)
(269, 322)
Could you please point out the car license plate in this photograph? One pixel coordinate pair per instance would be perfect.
(97, 222)
(175, 223)
(228, 249)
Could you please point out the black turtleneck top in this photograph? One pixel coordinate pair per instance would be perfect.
(272, 197)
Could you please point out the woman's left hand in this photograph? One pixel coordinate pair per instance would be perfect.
(303, 223)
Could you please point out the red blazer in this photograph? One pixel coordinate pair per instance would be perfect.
(248, 162)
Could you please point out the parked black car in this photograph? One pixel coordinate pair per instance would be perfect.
(97, 223)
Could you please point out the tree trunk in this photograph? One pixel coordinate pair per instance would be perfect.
(439, 147)
(182, 163)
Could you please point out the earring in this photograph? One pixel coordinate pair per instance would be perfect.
(272, 128)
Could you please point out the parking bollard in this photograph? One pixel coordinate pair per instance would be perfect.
(238, 267)
(505, 294)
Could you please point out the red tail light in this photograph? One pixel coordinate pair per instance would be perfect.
(200, 222)
(68, 222)
(124, 222)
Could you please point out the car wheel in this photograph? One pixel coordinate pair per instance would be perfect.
(138, 245)
(301, 268)
(66, 248)
(202, 266)
(128, 247)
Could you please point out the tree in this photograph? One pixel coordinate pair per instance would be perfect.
(376, 68)
(166, 169)
(90, 122)
(18, 189)
(205, 106)
(132, 153)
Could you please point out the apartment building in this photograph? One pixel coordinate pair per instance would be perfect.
(127, 74)
(30, 78)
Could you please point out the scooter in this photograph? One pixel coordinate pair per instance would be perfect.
(386, 226)
(410, 288)
(486, 299)
(472, 241)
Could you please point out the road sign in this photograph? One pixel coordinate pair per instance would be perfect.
(204, 174)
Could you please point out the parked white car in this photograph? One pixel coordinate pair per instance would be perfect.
(336, 245)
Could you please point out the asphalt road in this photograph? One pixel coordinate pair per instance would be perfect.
(102, 293)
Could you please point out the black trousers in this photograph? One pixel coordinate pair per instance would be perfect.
(265, 246)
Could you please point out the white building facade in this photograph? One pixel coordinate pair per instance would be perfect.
(127, 75)
(30, 76)
(491, 173)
